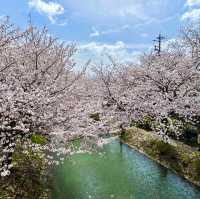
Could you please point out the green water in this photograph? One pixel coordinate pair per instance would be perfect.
(121, 173)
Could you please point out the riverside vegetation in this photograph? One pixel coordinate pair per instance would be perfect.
(29, 176)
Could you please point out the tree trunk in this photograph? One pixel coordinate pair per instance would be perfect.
(198, 134)
(198, 138)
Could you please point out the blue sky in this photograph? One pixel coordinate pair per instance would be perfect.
(123, 28)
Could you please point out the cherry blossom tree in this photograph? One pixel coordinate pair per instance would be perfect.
(160, 87)
(40, 93)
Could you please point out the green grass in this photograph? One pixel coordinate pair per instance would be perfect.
(196, 168)
(38, 139)
(163, 149)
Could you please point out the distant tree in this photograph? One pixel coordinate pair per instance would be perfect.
(160, 87)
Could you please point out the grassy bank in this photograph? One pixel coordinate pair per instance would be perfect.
(27, 179)
(177, 156)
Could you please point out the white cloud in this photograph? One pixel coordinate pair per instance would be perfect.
(144, 35)
(64, 23)
(120, 50)
(192, 2)
(51, 9)
(115, 30)
(94, 33)
(98, 47)
(97, 33)
(119, 45)
(192, 15)
(193, 12)
(108, 11)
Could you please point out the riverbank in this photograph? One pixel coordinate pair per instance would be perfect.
(28, 177)
(176, 156)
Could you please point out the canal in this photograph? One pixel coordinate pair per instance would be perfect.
(118, 172)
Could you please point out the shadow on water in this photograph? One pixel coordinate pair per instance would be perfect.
(118, 172)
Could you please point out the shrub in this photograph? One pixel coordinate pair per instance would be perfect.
(190, 132)
(95, 116)
(124, 136)
(164, 149)
(27, 177)
(146, 123)
(185, 159)
(38, 139)
(196, 168)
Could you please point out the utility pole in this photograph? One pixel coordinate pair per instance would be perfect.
(157, 47)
